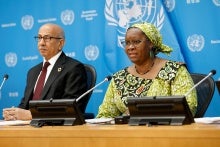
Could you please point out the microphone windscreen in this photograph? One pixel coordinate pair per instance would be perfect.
(213, 72)
(6, 76)
(109, 78)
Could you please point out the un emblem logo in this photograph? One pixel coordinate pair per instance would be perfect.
(216, 2)
(11, 59)
(123, 13)
(27, 22)
(67, 17)
(91, 52)
(195, 42)
(170, 5)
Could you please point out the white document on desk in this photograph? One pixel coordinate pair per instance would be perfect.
(208, 120)
(14, 123)
(99, 121)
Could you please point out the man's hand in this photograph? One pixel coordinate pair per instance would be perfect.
(16, 114)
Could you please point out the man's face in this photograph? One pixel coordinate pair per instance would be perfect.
(49, 43)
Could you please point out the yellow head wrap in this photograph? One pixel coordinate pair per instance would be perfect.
(155, 37)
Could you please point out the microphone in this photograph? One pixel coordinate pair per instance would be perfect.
(212, 72)
(108, 78)
(4, 79)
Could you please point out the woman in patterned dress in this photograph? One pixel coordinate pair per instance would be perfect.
(149, 75)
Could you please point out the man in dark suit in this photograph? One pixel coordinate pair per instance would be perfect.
(65, 77)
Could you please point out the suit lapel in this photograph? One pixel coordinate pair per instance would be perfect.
(56, 71)
(33, 75)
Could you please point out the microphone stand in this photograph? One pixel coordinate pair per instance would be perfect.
(210, 74)
(106, 79)
(5, 78)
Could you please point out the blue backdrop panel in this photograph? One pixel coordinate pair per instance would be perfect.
(196, 25)
(94, 31)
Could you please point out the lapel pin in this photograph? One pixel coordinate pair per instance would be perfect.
(59, 69)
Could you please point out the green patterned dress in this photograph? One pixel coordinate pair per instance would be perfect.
(172, 79)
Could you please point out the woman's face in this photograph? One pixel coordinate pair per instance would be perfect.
(137, 46)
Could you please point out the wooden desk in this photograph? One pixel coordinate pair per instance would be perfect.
(196, 135)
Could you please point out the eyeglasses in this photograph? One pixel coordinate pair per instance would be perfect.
(133, 42)
(46, 38)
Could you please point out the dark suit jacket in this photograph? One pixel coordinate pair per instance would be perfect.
(67, 80)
